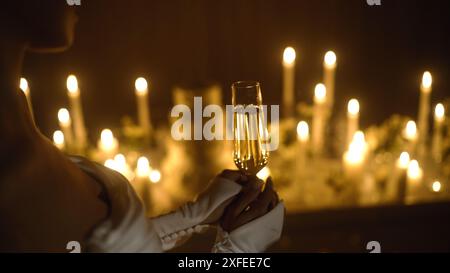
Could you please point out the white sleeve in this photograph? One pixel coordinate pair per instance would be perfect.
(253, 237)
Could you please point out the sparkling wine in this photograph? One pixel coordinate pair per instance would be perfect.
(250, 150)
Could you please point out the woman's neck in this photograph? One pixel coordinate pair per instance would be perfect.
(15, 119)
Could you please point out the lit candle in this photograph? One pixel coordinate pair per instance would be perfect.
(424, 111)
(395, 188)
(289, 57)
(436, 186)
(329, 66)
(155, 176)
(123, 167)
(143, 167)
(58, 139)
(141, 89)
(26, 90)
(352, 119)
(108, 144)
(65, 123)
(318, 126)
(410, 135)
(303, 138)
(77, 112)
(439, 117)
(414, 175)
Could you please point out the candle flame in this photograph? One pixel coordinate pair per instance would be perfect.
(411, 130)
(107, 140)
(112, 164)
(141, 85)
(143, 167)
(58, 139)
(330, 59)
(72, 85)
(436, 186)
(427, 81)
(353, 107)
(356, 152)
(155, 176)
(64, 116)
(439, 112)
(24, 85)
(289, 56)
(403, 161)
(303, 131)
(320, 93)
(414, 171)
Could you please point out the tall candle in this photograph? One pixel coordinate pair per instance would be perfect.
(395, 190)
(141, 89)
(303, 138)
(424, 111)
(329, 66)
(352, 119)
(58, 139)
(77, 112)
(65, 123)
(439, 117)
(143, 171)
(415, 176)
(318, 126)
(289, 57)
(411, 136)
(26, 90)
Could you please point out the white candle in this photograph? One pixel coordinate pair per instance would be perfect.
(58, 139)
(329, 66)
(77, 112)
(141, 89)
(411, 136)
(394, 190)
(143, 172)
(439, 117)
(65, 123)
(354, 159)
(289, 57)
(303, 138)
(352, 119)
(424, 111)
(108, 144)
(414, 174)
(26, 90)
(318, 126)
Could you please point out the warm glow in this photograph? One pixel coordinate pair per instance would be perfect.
(356, 152)
(303, 131)
(427, 81)
(437, 186)
(155, 176)
(120, 159)
(264, 173)
(107, 140)
(411, 130)
(320, 93)
(330, 59)
(64, 117)
(353, 107)
(58, 139)
(403, 161)
(72, 85)
(24, 85)
(143, 167)
(439, 112)
(112, 164)
(414, 170)
(289, 56)
(141, 86)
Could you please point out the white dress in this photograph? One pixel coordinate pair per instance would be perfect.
(127, 229)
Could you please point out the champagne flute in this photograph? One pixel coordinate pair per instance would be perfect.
(250, 131)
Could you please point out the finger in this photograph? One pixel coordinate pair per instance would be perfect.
(249, 194)
(258, 208)
(233, 175)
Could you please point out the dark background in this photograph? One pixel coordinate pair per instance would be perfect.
(382, 52)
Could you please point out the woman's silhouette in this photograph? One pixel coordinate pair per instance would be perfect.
(48, 199)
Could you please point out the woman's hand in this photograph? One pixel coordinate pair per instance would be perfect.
(250, 204)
